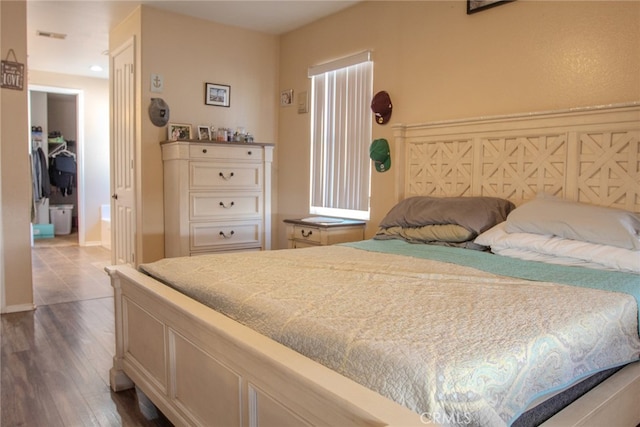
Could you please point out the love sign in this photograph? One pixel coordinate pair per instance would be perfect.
(11, 73)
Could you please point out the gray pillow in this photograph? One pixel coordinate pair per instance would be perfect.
(476, 214)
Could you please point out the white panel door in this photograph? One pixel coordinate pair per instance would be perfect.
(123, 230)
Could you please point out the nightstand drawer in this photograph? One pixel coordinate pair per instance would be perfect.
(297, 244)
(306, 233)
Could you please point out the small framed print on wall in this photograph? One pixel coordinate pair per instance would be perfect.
(218, 95)
(286, 98)
(474, 6)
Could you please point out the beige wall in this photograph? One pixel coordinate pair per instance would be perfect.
(435, 61)
(439, 63)
(94, 177)
(15, 180)
(189, 52)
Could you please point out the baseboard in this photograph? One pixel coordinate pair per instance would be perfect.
(18, 308)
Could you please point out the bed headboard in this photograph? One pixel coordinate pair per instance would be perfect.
(590, 155)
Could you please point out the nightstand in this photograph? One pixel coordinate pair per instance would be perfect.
(322, 231)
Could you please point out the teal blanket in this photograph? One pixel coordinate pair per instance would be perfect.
(614, 281)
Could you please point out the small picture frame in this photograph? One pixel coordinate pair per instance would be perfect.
(178, 131)
(216, 94)
(474, 6)
(286, 98)
(204, 133)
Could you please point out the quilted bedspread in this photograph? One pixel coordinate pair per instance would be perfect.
(446, 340)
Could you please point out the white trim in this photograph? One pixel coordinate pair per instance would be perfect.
(340, 213)
(18, 308)
(340, 134)
(79, 93)
(347, 61)
(562, 114)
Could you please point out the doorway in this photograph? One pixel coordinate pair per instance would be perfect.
(57, 112)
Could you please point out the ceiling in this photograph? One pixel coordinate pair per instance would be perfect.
(87, 23)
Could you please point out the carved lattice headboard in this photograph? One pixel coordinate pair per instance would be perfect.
(590, 155)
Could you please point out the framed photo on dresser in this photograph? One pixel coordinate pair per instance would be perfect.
(204, 133)
(178, 131)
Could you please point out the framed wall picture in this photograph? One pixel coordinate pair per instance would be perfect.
(204, 133)
(178, 131)
(286, 98)
(474, 6)
(218, 95)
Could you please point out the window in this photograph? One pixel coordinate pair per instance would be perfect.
(340, 137)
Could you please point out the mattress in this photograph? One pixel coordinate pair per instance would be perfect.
(455, 342)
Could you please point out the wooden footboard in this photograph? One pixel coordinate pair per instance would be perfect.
(615, 402)
(201, 368)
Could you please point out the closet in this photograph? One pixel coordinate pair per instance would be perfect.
(53, 121)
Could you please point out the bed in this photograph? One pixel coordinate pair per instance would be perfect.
(230, 366)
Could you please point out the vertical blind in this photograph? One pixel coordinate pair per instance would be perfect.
(340, 137)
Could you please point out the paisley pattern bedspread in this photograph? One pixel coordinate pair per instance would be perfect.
(449, 341)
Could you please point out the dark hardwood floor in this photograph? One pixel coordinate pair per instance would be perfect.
(55, 368)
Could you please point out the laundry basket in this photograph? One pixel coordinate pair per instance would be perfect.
(61, 218)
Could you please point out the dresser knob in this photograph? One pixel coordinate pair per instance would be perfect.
(204, 150)
(249, 153)
(305, 235)
(225, 236)
(225, 177)
(225, 206)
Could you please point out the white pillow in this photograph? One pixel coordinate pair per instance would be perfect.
(577, 221)
(556, 250)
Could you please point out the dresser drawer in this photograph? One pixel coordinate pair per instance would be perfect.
(235, 152)
(232, 176)
(205, 205)
(227, 235)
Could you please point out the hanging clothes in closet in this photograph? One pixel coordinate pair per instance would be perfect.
(41, 180)
(62, 171)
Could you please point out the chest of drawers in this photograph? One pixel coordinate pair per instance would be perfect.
(217, 197)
